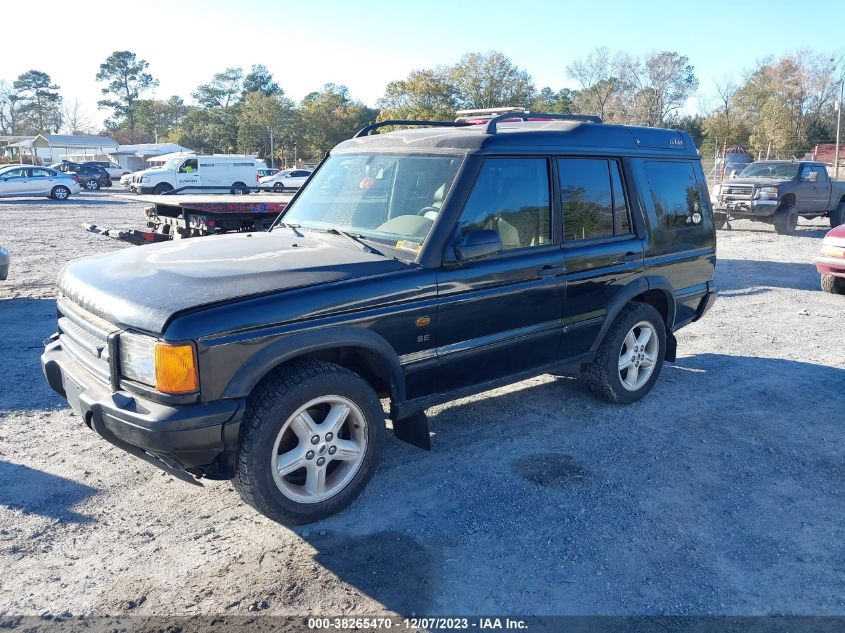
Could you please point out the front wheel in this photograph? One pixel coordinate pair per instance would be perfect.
(786, 220)
(162, 187)
(309, 443)
(630, 357)
(720, 220)
(92, 185)
(278, 187)
(834, 285)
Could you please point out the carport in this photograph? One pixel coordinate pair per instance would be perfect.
(51, 148)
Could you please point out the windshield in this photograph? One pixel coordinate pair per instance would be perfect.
(780, 171)
(387, 198)
(173, 163)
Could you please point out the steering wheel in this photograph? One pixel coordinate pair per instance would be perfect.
(425, 210)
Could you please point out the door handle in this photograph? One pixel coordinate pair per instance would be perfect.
(628, 257)
(549, 270)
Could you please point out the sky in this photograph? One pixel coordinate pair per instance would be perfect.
(364, 44)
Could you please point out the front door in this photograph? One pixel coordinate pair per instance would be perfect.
(15, 183)
(187, 174)
(501, 314)
(601, 249)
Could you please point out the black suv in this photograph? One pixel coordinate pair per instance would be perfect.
(414, 267)
(91, 176)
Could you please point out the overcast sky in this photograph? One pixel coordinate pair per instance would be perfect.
(364, 44)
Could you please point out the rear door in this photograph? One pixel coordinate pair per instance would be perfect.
(603, 253)
(501, 314)
(41, 181)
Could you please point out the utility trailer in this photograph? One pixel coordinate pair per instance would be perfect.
(193, 215)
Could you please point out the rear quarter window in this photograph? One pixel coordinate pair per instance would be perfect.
(676, 194)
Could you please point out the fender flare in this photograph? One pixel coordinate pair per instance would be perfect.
(624, 296)
(290, 347)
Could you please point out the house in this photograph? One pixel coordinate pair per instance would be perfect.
(139, 156)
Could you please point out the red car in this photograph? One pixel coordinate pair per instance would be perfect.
(831, 263)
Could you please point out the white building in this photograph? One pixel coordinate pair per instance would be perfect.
(46, 149)
(139, 156)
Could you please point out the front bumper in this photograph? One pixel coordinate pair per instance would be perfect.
(199, 438)
(143, 189)
(747, 208)
(834, 266)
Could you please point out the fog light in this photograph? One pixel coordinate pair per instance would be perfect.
(176, 368)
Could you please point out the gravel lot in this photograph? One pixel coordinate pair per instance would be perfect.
(720, 493)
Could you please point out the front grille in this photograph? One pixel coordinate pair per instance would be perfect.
(738, 191)
(86, 338)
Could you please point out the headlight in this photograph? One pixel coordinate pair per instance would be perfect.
(768, 193)
(717, 189)
(168, 368)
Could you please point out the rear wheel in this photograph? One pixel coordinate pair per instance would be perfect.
(786, 220)
(309, 443)
(630, 357)
(834, 285)
(720, 220)
(60, 193)
(837, 216)
(162, 187)
(92, 185)
(277, 186)
(239, 189)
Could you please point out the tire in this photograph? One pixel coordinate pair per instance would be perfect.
(278, 187)
(833, 285)
(272, 427)
(60, 192)
(239, 189)
(92, 185)
(837, 216)
(720, 220)
(604, 376)
(786, 220)
(162, 187)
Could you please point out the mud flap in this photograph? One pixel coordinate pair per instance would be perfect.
(413, 430)
(671, 348)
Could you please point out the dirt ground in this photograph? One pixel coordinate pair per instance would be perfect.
(719, 493)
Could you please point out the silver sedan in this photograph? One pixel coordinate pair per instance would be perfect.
(30, 180)
(4, 263)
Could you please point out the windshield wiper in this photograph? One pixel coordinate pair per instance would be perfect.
(357, 239)
(292, 227)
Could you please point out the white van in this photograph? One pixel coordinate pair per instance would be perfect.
(217, 173)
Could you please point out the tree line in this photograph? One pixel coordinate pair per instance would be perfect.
(782, 106)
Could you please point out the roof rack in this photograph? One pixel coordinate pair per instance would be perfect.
(490, 127)
(365, 131)
(485, 113)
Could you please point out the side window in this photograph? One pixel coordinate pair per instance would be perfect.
(41, 173)
(511, 196)
(593, 199)
(821, 173)
(675, 193)
(189, 166)
(15, 173)
(804, 175)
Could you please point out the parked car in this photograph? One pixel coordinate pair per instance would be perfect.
(831, 262)
(126, 181)
(37, 181)
(416, 266)
(92, 177)
(4, 263)
(269, 171)
(779, 192)
(114, 170)
(213, 173)
(285, 179)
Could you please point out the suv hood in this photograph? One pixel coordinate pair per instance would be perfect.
(143, 287)
(757, 182)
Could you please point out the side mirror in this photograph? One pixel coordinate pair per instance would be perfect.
(478, 244)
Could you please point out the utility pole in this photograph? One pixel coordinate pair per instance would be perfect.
(272, 149)
(838, 126)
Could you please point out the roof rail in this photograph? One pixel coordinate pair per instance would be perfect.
(374, 126)
(490, 127)
(485, 113)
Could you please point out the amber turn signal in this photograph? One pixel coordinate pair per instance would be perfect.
(833, 251)
(176, 368)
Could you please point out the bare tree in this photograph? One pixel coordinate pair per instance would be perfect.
(75, 119)
(657, 86)
(597, 80)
